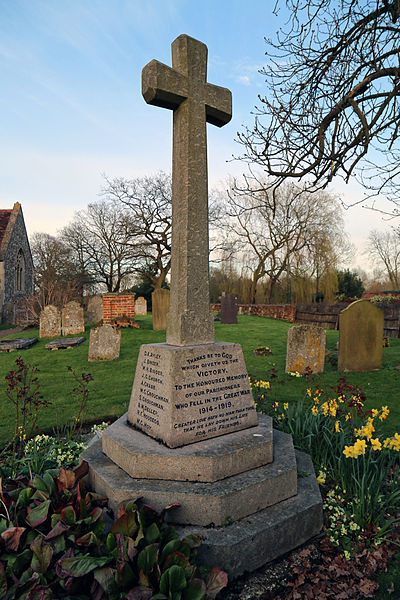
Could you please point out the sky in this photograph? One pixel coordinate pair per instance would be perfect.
(72, 109)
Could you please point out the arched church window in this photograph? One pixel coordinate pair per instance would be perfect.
(20, 272)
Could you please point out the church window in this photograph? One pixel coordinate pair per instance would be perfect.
(20, 272)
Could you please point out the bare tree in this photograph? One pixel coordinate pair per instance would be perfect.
(147, 202)
(384, 250)
(331, 107)
(269, 238)
(102, 239)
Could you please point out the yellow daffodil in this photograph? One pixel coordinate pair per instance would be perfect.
(321, 477)
(285, 405)
(337, 426)
(349, 452)
(376, 444)
(375, 412)
(314, 410)
(384, 414)
(309, 392)
(360, 446)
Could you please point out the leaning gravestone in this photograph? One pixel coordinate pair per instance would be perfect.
(50, 322)
(192, 434)
(141, 306)
(305, 351)
(94, 311)
(229, 309)
(104, 343)
(72, 321)
(160, 308)
(360, 337)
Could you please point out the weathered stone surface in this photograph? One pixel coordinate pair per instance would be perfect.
(104, 343)
(50, 322)
(94, 312)
(264, 536)
(360, 337)
(229, 309)
(17, 344)
(185, 90)
(262, 351)
(141, 456)
(305, 351)
(72, 321)
(184, 394)
(64, 343)
(201, 503)
(141, 306)
(160, 308)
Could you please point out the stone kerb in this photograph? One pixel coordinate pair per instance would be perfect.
(104, 343)
(160, 309)
(94, 312)
(72, 319)
(305, 351)
(141, 306)
(50, 322)
(360, 337)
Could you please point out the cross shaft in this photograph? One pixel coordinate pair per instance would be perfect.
(184, 89)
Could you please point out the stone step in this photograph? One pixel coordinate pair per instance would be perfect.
(202, 503)
(262, 537)
(208, 460)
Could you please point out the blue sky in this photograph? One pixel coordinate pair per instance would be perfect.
(71, 100)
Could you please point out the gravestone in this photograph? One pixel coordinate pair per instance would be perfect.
(72, 321)
(360, 337)
(229, 309)
(160, 308)
(104, 343)
(50, 322)
(305, 350)
(94, 311)
(141, 306)
(205, 447)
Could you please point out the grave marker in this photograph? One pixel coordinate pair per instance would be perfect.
(160, 308)
(50, 322)
(141, 306)
(305, 351)
(72, 321)
(229, 309)
(360, 337)
(104, 343)
(95, 309)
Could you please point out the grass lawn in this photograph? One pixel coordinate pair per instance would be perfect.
(112, 381)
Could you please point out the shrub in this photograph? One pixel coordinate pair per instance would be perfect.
(57, 541)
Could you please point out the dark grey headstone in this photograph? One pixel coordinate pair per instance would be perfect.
(229, 309)
(18, 344)
(65, 343)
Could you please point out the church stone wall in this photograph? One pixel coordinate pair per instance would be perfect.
(12, 298)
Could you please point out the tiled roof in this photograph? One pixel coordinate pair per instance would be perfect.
(4, 218)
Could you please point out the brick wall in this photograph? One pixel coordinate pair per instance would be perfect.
(118, 305)
(285, 312)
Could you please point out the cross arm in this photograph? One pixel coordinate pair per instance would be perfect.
(218, 101)
(163, 86)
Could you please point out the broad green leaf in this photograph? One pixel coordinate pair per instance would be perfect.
(196, 590)
(105, 576)
(173, 581)
(169, 548)
(147, 558)
(38, 514)
(68, 515)
(152, 534)
(25, 496)
(42, 555)
(126, 524)
(39, 484)
(81, 565)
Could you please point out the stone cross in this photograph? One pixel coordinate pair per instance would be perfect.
(184, 89)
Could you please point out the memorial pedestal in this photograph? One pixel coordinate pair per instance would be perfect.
(183, 394)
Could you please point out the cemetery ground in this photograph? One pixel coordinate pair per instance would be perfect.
(109, 394)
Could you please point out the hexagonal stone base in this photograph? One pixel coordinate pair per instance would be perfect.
(208, 460)
(256, 540)
(201, 503)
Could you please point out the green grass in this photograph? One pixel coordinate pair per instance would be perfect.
(112, 381)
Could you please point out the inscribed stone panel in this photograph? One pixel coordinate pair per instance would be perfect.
(50, 322)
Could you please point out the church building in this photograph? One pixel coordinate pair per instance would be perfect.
(16, 265)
